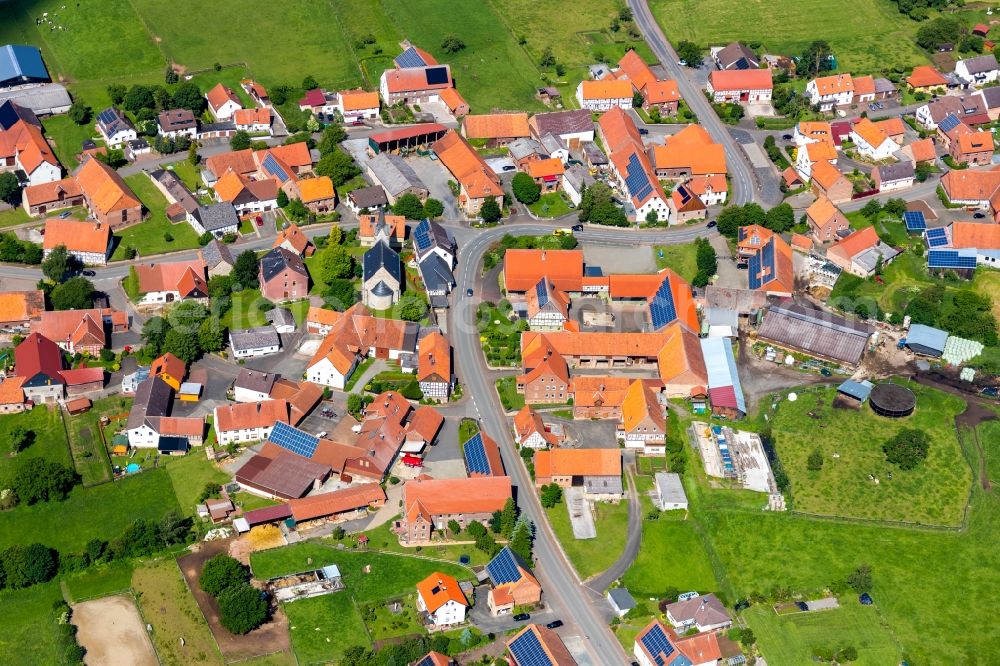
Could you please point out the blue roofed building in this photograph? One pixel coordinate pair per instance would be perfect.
(724, 390)
(926, 340)
(21, 64)
(382, 275)
(857, 390)
(513, 583)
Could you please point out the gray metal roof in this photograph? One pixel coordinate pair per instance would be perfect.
(152, 399)
(926, 337)
(981, 64)
(218, 216)
(578, 176)
(858, 390)
(670, 488)
(621, 598)
(816, 332)
(255, 380)
(43, 99)
(280, 317)
(594, 154)
(524, 147)
(395, 175)
(379, 256)
(254, 338)
(552, 143)
(895, 171)
(369, 197)
(277, 260)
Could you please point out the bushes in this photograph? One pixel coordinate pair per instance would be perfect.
(907, 449)
(242, 608)
(222, 572)
(38, 480)
(23, 566)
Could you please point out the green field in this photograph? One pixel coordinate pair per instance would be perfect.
(681, 258)
(672, 555)
(49, 439)
(99, 581)
(99, 512)
(90, 456)
(27, 626)
(592, 556)
(867, 36)
(789, 639)
(67, 138)
(934, 493)
(323, 627)
(989, 439)
(148, 237)
(189, 475)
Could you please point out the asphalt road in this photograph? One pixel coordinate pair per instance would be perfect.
(744, 187)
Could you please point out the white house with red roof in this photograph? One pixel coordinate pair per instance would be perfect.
(222, 102)
(441, 597)
(742, 86)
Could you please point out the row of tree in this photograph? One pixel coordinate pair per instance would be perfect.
(186, 95)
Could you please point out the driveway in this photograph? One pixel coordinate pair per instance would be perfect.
(581, 515)
(729, 276)
(436, 178)
(618, 259)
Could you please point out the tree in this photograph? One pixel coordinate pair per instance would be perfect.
(923, 170)
(521, 539)
(730, 220)
(814, 462)
(297, 210)
(409, 206)
(452, 44)
(624, 13)
(490, 211)
(242, 608)
(411, 307)
(74, 294)
(182, 345)
(433, 208)
(340, 294)
(240, 141)
(872, 209)
(525, 189)
(309, 83)
(282, 199)
(338, 166)
(816, 58)
(170, 76)
(706, 261)
(220, 573)
(454, 527)
(211, 335)
(895, 207)
(780, 219)
(20, 439)
(188, 96)
(907, 449)
(331, 138)
(10, 188)
(79, 112)
(551, 495)
(548, 58)
(154, 333)
(476, 530)
(942, 30)
(57, 263)
(355, 403)
(38, 480)
(138, 97)
(689, 53)
(860, 580)
(335, 262)
(508, 518)
(28, 565)
(245, 270)
(116, 92)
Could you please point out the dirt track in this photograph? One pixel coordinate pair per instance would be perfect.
(112, 631)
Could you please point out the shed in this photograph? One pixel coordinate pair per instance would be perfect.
(670, 492)
(926, 340)
(857, 390)
(190, 392)
(78, 406)
(621, 601)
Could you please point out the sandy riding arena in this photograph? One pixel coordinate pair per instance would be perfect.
(112, 631)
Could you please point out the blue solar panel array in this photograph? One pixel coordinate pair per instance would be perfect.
(636, 179)
(950, 259)
(662, 309)
(937, 237)
(437, 75)
(753, 271)
(410, 58)
(272, 167)
(107, 116)
(422, 236)
(762, 267)
(426, 661)
(949, 123)
(527, 650)
(914, 220)
(658, 645)
(503, 568)
(541, 290)
(294, 440)
(475, 455)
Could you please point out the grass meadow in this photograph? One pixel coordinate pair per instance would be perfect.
(27, 626)
(592, 556)
(150, 237)
(681, 258)
(49, 439)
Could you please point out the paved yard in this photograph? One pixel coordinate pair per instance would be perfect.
(580, 514)
(618, 259)
(436, 178)
(628, 317)
(729, 276)
(586, 433)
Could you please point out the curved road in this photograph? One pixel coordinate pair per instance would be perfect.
(744, 187)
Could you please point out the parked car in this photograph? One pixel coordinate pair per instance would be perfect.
(469, 293)
(521, 617)
(554, 624)
(64, 215)
(786, 137)
(577, 227)
(643, 130)
(509, 167)
(979, 216)
(711, 223)
(88, 273)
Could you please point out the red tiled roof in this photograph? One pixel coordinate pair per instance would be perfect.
(741, 79)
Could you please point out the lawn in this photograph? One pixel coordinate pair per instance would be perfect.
(27, 627)
(382, 538)
(67, 138)
(249, 501)
(868, 36)
(90, 456)
(499, 335)
(188, 173)
(592, 556)
(509, 397)
(49, 438)
(189, 476)
(790, 639)
(681, 258)
(989, 439)
(851, 441)
(13, 217)
(552, 204)
(180, 633)
(672, 555)
(99, 581)
(323, 627)
(149, 236)
(247, 310)
(99, 512)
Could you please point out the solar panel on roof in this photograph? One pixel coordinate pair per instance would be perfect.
(914, 220)
(636, 179)
(437, 75)
(949, 123)
(422, 236)
(753, 272)
(950, 259)
(410, 58)
(475, 455)
(657, 644)
(294, 440)
(503, 568)
(542, 292)
(107, 116)
(662, 309)
(527, 650)
(936, 237)
(272, 167)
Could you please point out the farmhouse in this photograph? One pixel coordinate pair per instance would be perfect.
(171, 281)
(434, 366)
(496, 129)
(643, 421)
(95, 185)
(477, 182)
(861, 253)
(318, 194)
(631, 168)
(357, 105)
(573, 127)
(18, 308)
(829, 183)
(536, 644)
(79, 331)
(825, 220)
(222, 102)
(973, 188)
(292, 239)
(217, 258)
(871, 142)
(440, 596)
(88, 242)
(115, 128)
(38, 363)
(690, 152)
(170, 369)
(813, 153)
(251, 342)
(513, 583)
(248, 421)
(831, 91)
(367, 199)
(23, 146)
(740, 86)
(429, 504)
(282, 275)
(247, 196)
(396, 177)
(530, 431)
(598, 471)
(662, 95)
(891, 177)
(149, 422)
(604, 95)
(255, 121)
(414, 85)
(548, 309)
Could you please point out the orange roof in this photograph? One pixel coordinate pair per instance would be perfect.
(367, 224)
(754, 237)
(220, 94)
(250, 415)
(47, 192)
(820, 151)
(782, 280)
(835, 84)
(316, 189)
(527, 422)
(925, 76)
(452, 98)
(438, 589)
(11, 392)
(255, 116)
(975, 235)
(467, 166)
(855, 244)
(740, 79)
(590, 390)
(182, 425)
(700, 185)
(891, 126)
(700, 648)
(104, 188)
(968, 185)
(822, 210)
(680, 291)
(426, 422)
(803, 242)
(76, 326)
(483, 494)
(815, 129)
(825, 174)
(295, 155)
(578, 462)
(322, 316)
(550, 167)
(240, 161)
(606, 89)
(692, 148)
(185, 277)
(619, 131)
(680, 358)
(524, 268)
(661, 92)
(413, 79)
(230, 185)
(975, 142)
(639, 405)
(870, 133)
(791, 176)
(20, 306)
(434, 359)
(923, 150)
(77, 236)
(496, 126)
(864, 85)
(294, 237)
(358, 100)
(168, 365)
(636, 70)
(338, 501)
(27, 143)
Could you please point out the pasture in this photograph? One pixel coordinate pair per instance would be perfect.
(866, 36)
(933, 493)
(28, 626)
(48, 440)
(592, 556)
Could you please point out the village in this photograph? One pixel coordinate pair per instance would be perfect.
(376, 375)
